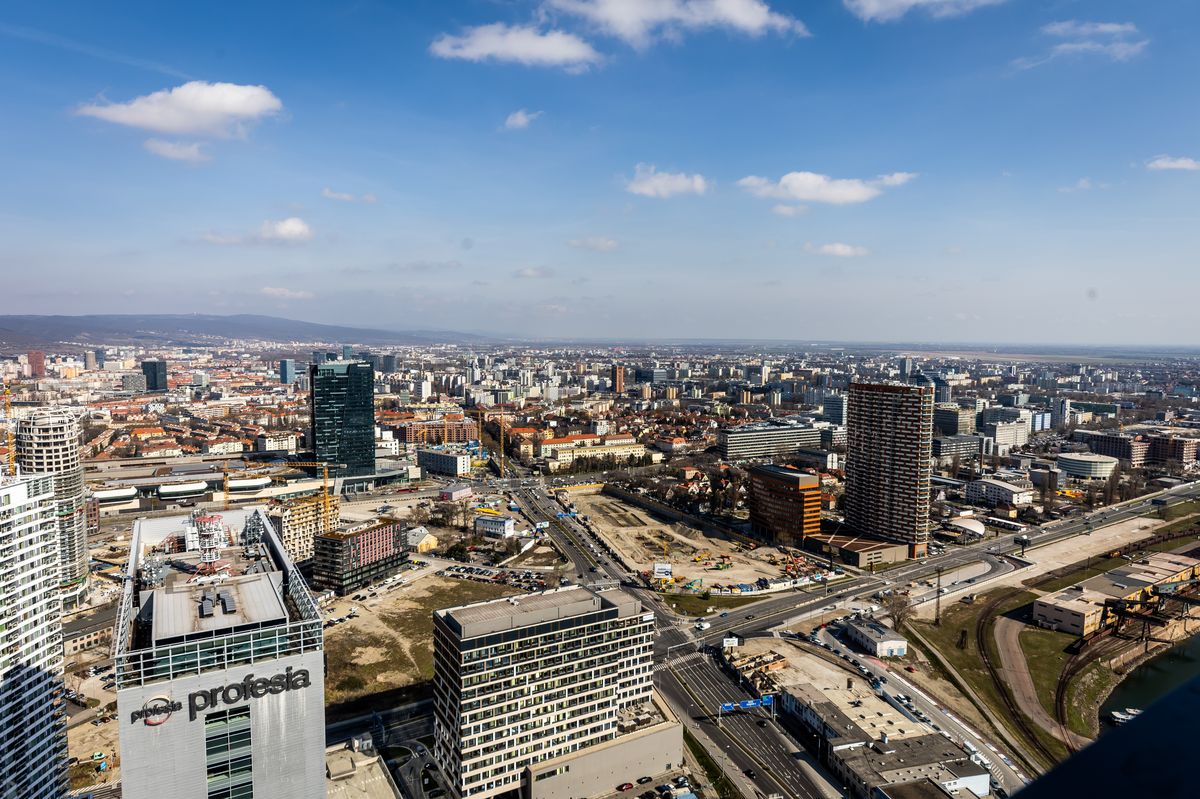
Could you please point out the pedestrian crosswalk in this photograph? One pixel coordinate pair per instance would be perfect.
(678, 660)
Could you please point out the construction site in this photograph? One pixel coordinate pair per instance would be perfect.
(681, 557)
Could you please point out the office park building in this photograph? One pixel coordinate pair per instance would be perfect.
(548, 696)
(218, 655)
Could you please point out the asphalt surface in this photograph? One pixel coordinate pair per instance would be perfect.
(695, 685)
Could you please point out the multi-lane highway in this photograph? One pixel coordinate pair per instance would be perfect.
(692, 682)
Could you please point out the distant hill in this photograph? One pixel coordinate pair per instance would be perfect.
(182, 329)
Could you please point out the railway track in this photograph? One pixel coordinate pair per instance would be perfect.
(1023, 725)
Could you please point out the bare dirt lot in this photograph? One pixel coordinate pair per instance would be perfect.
(644, 540)
(386, 650)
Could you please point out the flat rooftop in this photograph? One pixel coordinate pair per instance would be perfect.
(357, 775)
(875, 631)
(513, 613)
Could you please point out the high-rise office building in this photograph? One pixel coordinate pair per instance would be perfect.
(342, 398)
(287, 371)
(156, 375)
(388, 364)
(618, 379)
(37, 363)
(347, 352)
(48, 443)
(317, 357)
(134, 381)
(785, 504)
(539, 694)
(100, 356)
(89, 361)
(1060, 412)
(33, 732)
(833, 408)
(906, 368)
(951, 419)
(889, 442)
(219, 664)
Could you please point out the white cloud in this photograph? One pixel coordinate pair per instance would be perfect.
(281, 293)
(649, 182)
(595, 244)
(521, 44)
(813, 187)
(1169, 162)
(533, 273)
(192, 152)
(838, 250)
(1116, 41)
(892, 10)
(1073, 28)
(789, 210)
(638, 22)
(346, 197)
(220, 110)
(520, 119)
(1083, 184)
(292, 230)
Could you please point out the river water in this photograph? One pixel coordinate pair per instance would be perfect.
(1155, 678)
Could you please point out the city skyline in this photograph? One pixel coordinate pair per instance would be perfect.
(869, 170)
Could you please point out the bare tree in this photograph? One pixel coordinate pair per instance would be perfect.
(899, 608)
(418, 516)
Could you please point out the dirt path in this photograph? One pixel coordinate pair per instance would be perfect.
(1016, 675)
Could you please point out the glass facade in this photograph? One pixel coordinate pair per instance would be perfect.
(343, 415)
(227, 754)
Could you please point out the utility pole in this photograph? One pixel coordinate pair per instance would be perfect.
(937, 600)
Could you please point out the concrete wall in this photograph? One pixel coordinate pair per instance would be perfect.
(287, 736)
(598, 770)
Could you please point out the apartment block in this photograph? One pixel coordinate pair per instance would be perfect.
(888, 473)
(300, 521)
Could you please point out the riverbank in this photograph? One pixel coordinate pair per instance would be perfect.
(1177, 633)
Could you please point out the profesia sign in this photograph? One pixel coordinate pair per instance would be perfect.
(158, 709)
(249, 688)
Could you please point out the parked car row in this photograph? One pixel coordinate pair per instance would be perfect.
(525, 580)
(668, 790)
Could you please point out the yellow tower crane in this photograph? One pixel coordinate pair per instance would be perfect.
(326, 503)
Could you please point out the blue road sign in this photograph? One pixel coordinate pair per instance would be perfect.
(768, 700)
(727, 707)
(746, 704)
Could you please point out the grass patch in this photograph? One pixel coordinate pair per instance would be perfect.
(83, 774)
(1179, 511)
(694, 605)
(968, 661)
(712, 772)
(1046, 657)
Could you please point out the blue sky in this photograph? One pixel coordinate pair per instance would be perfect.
(937, 170)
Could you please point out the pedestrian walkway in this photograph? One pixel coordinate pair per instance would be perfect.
(1015, 671)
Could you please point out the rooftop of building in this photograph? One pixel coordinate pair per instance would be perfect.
(874, 630)
(351, 774)
(782, 473)
(1088, 457)
(854, 543)
(911, 759)
(185, 587)
(513, 613)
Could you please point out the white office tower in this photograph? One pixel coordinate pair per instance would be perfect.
(48, 443)
(548, 694)
(219, 664)
(33, 733)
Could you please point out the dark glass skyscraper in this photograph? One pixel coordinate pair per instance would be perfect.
(156, 375)
(343, 415)
(287, 371)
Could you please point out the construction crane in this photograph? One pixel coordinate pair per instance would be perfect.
(326, 504)
(10, 433)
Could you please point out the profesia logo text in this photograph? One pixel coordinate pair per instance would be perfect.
(249, 688)
(158, 709)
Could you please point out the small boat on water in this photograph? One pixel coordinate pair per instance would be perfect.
(1133, 711)
(1118, 717)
